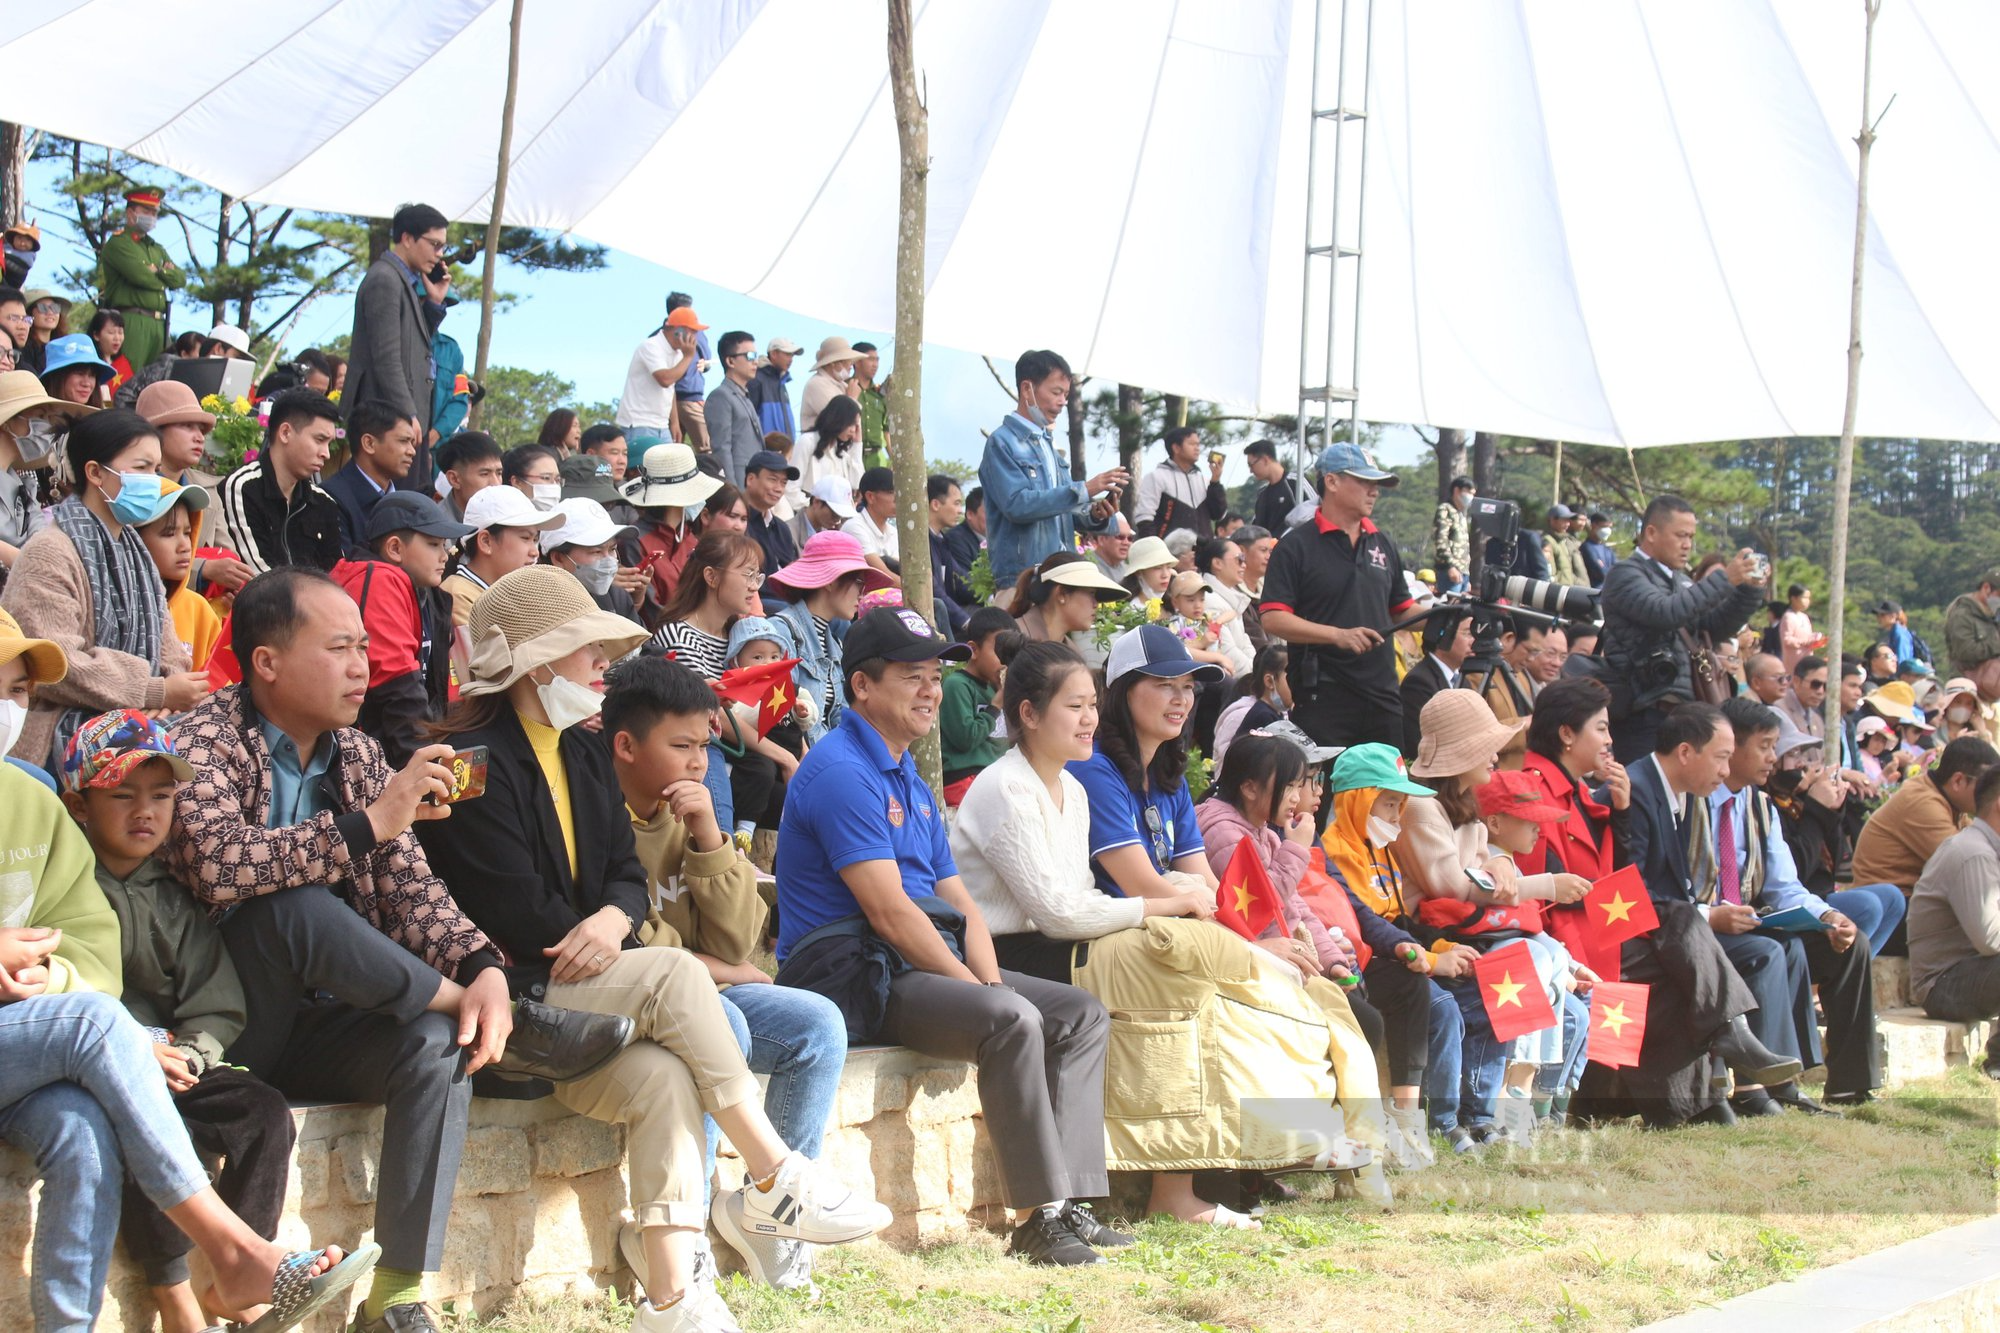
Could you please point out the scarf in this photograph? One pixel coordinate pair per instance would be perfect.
(128, 604)
(1369, 870)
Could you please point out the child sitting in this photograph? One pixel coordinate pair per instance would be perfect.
(969, 716)
(1195, 621)
(24, 664)
(170, 539)
(757, 777)
(119, 778)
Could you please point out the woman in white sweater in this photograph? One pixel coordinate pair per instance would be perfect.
(1202, 1023)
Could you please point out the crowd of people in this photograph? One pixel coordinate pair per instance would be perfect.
(439, 772)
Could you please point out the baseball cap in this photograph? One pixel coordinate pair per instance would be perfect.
(1888, 606)
(835, 494)
(877, 479)
(588, 477)
(1915, 667)
(1375, 765)
(782, 345)
(770, 460)
(685, 318)
(47, 663)
(192, 498)
(407, 511)
(897, 634)
(1561, 511)
(1185, 584)
(584, 523)
(505, 507)
(1519, 793)
(1353, 460)
(107, 748)
(230, 336)
(1154, 650)
(1285, 729)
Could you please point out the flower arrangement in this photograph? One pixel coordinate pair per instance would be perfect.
(1114, 618)
(238, 433)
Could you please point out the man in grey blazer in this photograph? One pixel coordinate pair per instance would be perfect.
(396, 315)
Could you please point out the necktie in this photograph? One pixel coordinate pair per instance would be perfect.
(1729, 878)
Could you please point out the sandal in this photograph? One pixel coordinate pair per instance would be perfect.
(296, 1295)
(1229, 1219)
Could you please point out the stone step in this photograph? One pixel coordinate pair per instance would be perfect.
(1915, 1046)
(1892, 984)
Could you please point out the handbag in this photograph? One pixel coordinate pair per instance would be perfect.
(1708, 682)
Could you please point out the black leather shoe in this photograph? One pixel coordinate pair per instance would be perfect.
(1755, 1102)
(1861, 1098)
(1751, 1060)
(1045, 1239)
(1718, 1114)
(1793, 1098)
(413, 1318)
(1083, 1224)
(561, 1044)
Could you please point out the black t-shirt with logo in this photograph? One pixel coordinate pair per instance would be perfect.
(1316, 573)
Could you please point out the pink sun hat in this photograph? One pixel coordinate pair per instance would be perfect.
(827, 557)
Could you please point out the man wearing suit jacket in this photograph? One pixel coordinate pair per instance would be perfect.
(1744, 870)
(1648, 602)
(382, 448)
(1705, 996)
(396, 316)
(1447, 642)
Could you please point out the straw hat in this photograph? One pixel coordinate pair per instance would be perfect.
(1148, 553)
(533, 617)
(21, 391)
(1459, 732)
(833, 351)
(1086, 574)
(1894, 700)
(46, 662)
(670, 478)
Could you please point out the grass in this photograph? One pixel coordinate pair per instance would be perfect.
(1608, 1229)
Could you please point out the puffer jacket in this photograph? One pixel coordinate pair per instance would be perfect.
(1223, 826)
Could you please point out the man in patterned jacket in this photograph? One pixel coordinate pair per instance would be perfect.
(363, 979)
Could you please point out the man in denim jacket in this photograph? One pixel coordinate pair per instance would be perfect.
(1033, 509)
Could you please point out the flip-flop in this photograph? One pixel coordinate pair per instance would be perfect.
(296, 1296)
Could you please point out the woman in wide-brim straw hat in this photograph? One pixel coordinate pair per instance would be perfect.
(31, 426)
(544, 861)
(669, 491)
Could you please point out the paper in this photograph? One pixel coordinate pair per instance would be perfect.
(1792, 918)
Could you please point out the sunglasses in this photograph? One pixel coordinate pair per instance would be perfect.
(47, 308)
(1156, 832)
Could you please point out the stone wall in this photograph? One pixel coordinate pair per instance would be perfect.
(540, 1191)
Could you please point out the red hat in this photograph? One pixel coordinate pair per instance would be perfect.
(1519, 794)
(146, 195)
(685, 318)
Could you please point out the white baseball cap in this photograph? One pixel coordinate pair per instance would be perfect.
(584, 523)
(836, 494)
(506, 506)
(230, 336)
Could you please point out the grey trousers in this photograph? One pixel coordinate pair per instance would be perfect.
(1967, 992)
(336, 1013)
(1040, 1048)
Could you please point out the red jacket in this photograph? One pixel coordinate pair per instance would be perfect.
(409, 655)
(1578, 851)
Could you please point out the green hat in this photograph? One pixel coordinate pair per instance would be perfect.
(1375, 765)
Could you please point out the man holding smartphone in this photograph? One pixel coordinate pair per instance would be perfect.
(397, 311)
(659, 363)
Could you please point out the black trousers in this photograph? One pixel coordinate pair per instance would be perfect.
(1333, 715)
(1402, 1001)
(1846, 984)
(756, 790)
(1695, 992)
(237, 1117)
(1968, 992)
(364, 1036)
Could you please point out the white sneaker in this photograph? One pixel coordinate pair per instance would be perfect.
(804, 1202)
(633, 1249)
(1409, 1139)
(700, 1311)
(783, 1265)
(1514, 1117)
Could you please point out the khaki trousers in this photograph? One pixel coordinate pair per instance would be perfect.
(691, 423)
(683, 1062)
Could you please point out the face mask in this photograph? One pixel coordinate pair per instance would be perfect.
(12, 718)
(138, 495)
(144, 222)
(1604, 534)
(38, 443)
(1381, 832)
(1960, 716)
(568, 703)
(1036, 415)
(597, 575)
(547, 495)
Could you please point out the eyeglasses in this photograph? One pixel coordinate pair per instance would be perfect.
(430, 244)
(1812, 684)
(753, 577)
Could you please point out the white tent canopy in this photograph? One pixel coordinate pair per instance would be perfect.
(1621, 221)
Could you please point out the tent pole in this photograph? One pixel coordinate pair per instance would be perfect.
(492, 256)
(1556, 491)
(1843, 481)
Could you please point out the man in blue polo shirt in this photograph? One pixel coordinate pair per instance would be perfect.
(866, 879)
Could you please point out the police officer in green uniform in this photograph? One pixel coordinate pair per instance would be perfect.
(136, 276)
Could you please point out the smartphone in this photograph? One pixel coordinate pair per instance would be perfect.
(468, 775)
(1214, 457)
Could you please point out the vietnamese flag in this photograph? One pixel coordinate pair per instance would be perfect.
(1246, 902)
(1512, 991)
(1617, 1022)
(222, 666)
(768, 688)
(1618, 908)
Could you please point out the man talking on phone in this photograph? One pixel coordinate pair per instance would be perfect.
(1333, 587)
(397, 311)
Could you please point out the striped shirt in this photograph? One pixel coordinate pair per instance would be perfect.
(705, 654)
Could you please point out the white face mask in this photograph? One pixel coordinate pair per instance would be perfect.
(38, 443)
(1381, 832)
(12, 718)
(1960, 716)
(568, 703)
(1604, 534)
(547, 495)
(597, 574)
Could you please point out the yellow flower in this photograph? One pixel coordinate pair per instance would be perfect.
(241, 406)
(1153, 608)
(333, 397)
(211, 402)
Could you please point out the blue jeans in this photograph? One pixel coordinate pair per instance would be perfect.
(1444, 1068)
(800, 1040)
(1875, 909)
(716, 779)
(1477, 1071)
(81, 1091)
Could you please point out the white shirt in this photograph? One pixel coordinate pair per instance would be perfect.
(646, 403)
(885, 541)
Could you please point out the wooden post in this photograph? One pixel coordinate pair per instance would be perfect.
(1843, 477)
(492, 257)
(906, 460)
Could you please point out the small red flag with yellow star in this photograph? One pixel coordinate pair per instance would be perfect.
(1246, 902)
(1618, 908)
(1516, 1003)
(1617, 1022)
(768, 688)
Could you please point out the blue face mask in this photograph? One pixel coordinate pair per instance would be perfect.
(138, 495)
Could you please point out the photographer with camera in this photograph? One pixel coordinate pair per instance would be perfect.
(1654, 615)
(1332, 589)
